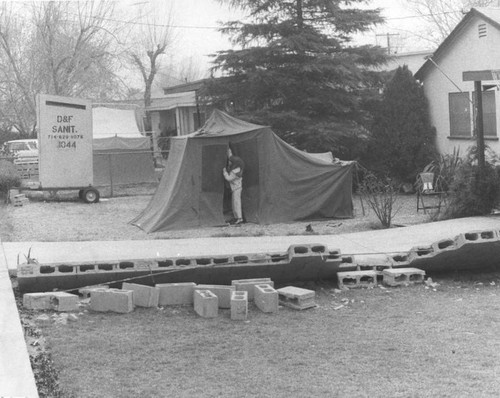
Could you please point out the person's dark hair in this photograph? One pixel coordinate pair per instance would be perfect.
(235, 162)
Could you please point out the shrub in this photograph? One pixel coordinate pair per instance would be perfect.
(8, 176)
(402, 140)
(381, 194)
(472, 192)
(445, 168)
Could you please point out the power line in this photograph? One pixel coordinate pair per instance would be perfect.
(218, 27)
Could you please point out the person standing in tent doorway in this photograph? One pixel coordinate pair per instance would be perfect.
(233, 173)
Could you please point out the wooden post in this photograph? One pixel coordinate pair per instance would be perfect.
(479, 124)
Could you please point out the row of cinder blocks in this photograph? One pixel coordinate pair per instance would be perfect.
(390, 277)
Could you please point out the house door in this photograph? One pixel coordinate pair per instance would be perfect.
(213, 160)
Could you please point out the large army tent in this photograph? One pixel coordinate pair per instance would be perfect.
(122, 155)
(280, 182)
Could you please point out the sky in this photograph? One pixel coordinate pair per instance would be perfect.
(198, 18)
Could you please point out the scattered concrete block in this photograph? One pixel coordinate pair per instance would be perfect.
(43, 319)
(239, 305)
(206, 304)
(57, 301)
(176, 293)
(37, 301)
(356, 279)
(144, 296)
(85, 291)
(403, 276)
(296, 297)
(249, 284)
(266, 298)
(223, 293)
(64, 302)
(114, 300)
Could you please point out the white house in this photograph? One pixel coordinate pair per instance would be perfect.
(473, 46)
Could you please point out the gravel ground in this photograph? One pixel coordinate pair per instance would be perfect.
(67, 219)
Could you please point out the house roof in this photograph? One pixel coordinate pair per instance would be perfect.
(172, 101)
(490, 15)
(182, 88)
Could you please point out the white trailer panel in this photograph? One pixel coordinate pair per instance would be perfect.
(65, 142)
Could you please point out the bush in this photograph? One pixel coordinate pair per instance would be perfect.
(402, 140)
(8, 176)
(472, 192)
(445, 168)
(381, 195)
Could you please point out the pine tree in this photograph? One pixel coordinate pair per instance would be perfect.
(297, 70)
(402, 141)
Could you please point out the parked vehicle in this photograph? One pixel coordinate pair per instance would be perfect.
(21, 150)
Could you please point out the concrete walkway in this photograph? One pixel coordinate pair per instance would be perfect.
(16, 378)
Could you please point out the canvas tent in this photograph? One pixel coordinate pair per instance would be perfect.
(122, 155)
(280, 182)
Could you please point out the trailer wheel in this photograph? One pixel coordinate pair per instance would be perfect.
(90, 195)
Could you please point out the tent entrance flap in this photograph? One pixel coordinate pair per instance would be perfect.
(213, 160)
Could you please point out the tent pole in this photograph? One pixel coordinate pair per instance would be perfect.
(110, 168)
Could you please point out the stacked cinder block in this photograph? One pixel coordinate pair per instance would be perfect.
(223, 293)
(176, 293)
(356, 279)
(239, 305)
(296, 297)
(111, 300)
(20, 200)
(403, 276)
(266, 298)
(143, 296)
(206, 304)
(248, 285)
(57, 301)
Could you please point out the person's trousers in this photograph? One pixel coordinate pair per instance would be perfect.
(236, 203)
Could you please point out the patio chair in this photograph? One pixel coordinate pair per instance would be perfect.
(428, 186)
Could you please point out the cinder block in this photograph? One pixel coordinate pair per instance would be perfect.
(37, 301)
(296, 297)
(239, 305)
(356, 279)
(114, 300)
(144, 296)
(176, 293)
(206, 304)
(57, 301)
(85, 291)
(223, 293)
(403, 276)
(249, 284)
(64, 302)
(266, 298)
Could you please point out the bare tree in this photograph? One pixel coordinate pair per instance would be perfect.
(154, 36)
(443, 15)
(62, 48)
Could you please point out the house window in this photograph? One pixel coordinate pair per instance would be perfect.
(460, 114)
(489, 113)
(481, 30)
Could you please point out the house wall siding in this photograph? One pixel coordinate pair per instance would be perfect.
(468, 52)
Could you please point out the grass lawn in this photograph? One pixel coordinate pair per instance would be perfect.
(400, 342)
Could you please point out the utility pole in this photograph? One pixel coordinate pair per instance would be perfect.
(388, 37)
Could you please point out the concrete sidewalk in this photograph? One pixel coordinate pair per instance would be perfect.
(376, 241)
(16, 378)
